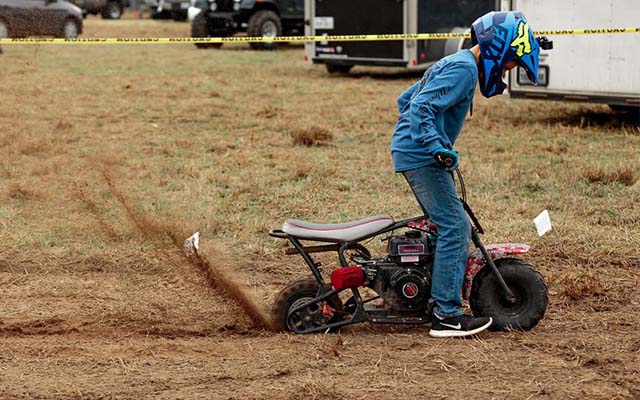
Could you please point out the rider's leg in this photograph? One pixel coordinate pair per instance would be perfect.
(435, 190)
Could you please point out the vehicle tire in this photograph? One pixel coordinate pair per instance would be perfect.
(4, 29)
(488, 300)
(70, 29)
(179, 16)
(199, 29)
(264, 23)
(295, 294)
(113, 10)
(338, 69)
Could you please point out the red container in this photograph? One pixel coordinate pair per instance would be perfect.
(347, 277)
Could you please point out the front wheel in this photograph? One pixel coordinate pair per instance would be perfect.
(314, 316)
(113, 10)
(199, 30)
(530, 291)
(264, 23)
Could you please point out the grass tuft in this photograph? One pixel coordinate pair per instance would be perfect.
(582, 285)
(624, 175)
(311, 136)
(63, 125)
(18, 192)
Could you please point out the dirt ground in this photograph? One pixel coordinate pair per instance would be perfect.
(111, 156)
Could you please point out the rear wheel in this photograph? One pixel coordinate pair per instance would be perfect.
(199, 30)
(264, 23)
(70, 29)
(314, 316)
(113, 10)
(488, 299)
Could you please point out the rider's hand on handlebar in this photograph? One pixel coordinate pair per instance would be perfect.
(447, 159)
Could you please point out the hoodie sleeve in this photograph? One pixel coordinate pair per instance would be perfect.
(444, 90)
(405, 97)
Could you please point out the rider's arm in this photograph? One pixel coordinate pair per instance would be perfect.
(405, 97)
(443, 90)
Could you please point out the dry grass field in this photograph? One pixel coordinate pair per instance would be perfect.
(111, 155)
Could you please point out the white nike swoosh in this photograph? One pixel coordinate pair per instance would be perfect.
(452, 326)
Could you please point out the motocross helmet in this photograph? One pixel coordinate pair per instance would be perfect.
(503, 37)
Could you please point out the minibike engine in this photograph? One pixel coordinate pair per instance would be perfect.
(403, 277)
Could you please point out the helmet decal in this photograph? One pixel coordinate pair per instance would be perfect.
(522, 42)
(503, 37)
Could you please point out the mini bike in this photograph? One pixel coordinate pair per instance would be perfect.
(496, 283)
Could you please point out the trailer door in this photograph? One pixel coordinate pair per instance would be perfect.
(361, 17)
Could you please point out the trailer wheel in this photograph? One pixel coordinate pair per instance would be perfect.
(264, 23)
(338, 69)
(621, 108)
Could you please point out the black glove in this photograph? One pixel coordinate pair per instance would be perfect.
(447, 159)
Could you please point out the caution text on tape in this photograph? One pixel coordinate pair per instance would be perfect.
(294, 39)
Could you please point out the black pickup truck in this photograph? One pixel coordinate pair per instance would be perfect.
(220, 18)
(108, 9)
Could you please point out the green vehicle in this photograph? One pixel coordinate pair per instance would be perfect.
(223, 18)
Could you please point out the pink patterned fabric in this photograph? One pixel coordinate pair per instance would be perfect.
(476, 261)
(424, 224)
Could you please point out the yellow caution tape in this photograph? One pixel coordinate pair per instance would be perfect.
(324, 38)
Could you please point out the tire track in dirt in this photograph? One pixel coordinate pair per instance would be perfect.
(217, 275)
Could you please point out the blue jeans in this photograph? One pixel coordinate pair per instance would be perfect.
(435, 191)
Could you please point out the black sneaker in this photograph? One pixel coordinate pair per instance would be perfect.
(463, 325)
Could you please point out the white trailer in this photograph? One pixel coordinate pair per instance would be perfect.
(600, 68)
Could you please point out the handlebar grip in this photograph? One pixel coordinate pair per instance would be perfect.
(445, 159)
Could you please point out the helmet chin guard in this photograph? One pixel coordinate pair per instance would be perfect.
(504, 37)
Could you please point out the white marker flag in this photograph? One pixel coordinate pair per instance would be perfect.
(543, 222)
(191, 244)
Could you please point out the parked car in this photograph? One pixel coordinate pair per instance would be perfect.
(22, 18)
(255, 17)
(108, 9)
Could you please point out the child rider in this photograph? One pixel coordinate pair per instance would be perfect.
(432, 113)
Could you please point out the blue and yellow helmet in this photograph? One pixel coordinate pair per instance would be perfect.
(503, 37)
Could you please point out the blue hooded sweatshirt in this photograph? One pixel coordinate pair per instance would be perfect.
(433, 110)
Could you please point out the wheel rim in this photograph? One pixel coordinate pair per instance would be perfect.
(269, 29)
(522, 298)
(70, 30)
(114, 12)
(4, 32)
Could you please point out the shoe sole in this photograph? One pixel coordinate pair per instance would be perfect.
(457, 333)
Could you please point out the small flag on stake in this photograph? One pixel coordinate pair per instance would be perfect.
(191, 244)
(543, 222)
